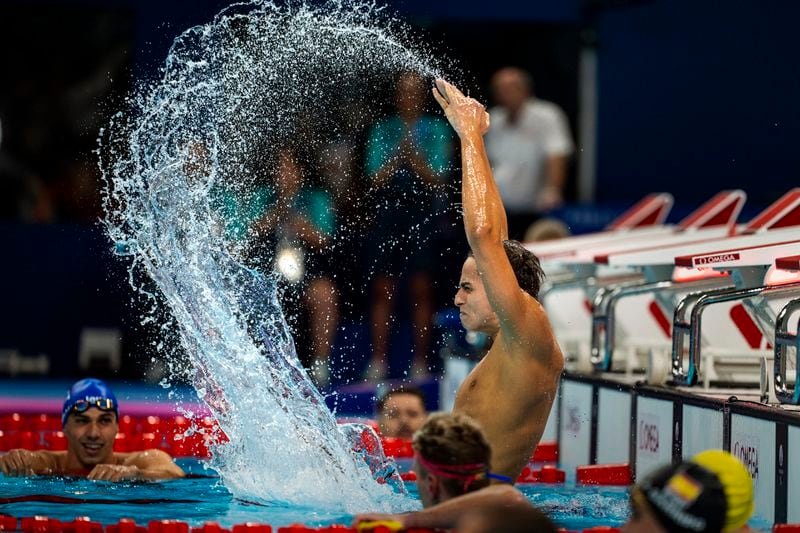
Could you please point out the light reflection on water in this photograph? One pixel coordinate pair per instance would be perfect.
(571, 507)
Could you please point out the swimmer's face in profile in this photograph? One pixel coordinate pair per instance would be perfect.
(90, 436)
(475, 311)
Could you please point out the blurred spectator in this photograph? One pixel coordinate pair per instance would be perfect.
(407, 157)
(529, 145)
(546, 229)
(55, 100)
(401, 412)
(712, 492)
(298, 229)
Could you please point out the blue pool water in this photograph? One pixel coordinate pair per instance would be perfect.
(201, 499)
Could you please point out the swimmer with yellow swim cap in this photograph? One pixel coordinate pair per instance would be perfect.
(712, 492)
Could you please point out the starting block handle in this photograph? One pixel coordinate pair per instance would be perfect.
(784, 339)
(602, 347)
(604, 312)
(701, 302)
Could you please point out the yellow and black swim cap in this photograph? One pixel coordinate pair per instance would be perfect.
(736, 482)
(711, 493)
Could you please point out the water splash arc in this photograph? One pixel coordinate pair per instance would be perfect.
(231, 91)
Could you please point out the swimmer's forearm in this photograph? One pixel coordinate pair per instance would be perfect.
(446, 514)
(26, 462)
(483, 207)
(156, 474)
(154, 464)
(153, 474)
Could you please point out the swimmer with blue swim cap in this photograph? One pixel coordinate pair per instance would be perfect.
(90, 418)
(87, 393)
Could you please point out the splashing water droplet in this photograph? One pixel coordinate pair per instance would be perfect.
(232, 92)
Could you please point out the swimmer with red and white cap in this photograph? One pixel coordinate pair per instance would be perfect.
(90, 418)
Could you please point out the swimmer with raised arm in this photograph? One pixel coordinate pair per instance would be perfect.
(511, 390)
(90, 418)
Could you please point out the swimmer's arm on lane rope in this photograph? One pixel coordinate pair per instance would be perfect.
(28, 463)
(154, 464)
(445, 515)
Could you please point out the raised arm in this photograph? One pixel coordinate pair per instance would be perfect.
(484, 215)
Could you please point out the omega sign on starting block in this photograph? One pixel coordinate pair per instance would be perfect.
(664, 424)
(682, 338)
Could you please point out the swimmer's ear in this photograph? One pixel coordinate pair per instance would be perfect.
(434, 486)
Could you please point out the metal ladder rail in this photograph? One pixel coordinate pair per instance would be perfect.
(565, 283)
(604, 313)
(783, 340)
(604, 319)
(701, 300)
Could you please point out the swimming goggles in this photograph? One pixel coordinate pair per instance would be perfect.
(104, 404)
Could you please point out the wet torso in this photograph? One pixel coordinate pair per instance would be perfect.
(510, 395)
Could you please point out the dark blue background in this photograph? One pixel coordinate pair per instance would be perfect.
(693, 97)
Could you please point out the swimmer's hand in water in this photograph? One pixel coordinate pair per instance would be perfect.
(466, 115)
(114, 473)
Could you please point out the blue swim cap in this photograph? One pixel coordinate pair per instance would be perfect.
(88, 393)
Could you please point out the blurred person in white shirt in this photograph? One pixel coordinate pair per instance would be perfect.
(529, 146)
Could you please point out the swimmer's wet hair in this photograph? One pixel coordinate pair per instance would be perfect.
(526, 266)
(453, 439)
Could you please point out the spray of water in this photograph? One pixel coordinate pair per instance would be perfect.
(231, 92)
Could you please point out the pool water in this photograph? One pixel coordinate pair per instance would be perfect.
(202, 498)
